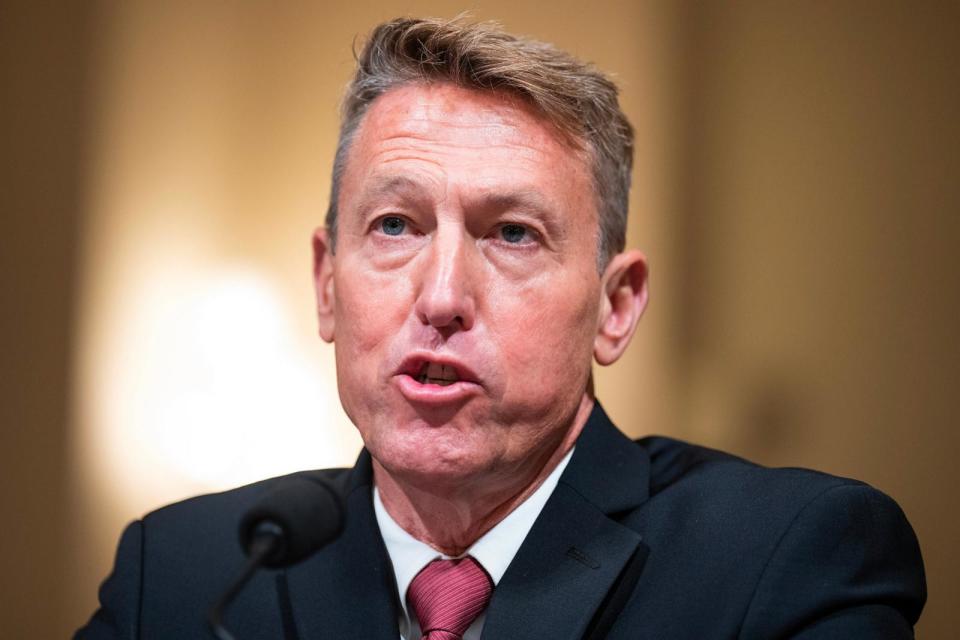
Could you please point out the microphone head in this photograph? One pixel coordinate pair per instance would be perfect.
(303, 512)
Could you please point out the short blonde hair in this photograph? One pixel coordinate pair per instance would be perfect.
(574, 96)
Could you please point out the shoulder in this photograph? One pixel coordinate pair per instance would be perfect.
(204, 529)
(739, 503)
(781, 541)
(712, 479)
(170, 562)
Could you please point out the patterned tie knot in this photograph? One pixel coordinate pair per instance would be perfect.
(448, 595)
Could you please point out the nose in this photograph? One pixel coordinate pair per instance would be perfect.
(445, 299)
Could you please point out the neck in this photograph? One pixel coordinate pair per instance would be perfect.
(451, 521)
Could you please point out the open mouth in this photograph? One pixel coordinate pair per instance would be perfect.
(435, 373)
(428, 379)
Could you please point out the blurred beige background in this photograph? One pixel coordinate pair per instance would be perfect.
(797, 191)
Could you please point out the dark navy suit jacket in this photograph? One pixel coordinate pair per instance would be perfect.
(648, 539)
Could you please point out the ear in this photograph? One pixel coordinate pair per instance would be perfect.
(323, 282)
(624, 284)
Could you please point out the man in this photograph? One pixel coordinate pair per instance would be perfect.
(472, 268)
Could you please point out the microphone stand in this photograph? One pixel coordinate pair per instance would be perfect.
(267, 540)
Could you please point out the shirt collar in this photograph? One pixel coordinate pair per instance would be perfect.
(494, 550)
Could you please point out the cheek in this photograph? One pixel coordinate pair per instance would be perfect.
(369, 310)
(547, 342)
(369, 315)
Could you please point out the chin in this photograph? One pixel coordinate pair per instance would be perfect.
(420, 454)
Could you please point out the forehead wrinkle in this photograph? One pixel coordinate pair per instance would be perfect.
(442, 127)
(436, 140)
(438, 154)
(430, 170)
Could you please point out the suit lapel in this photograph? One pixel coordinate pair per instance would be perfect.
(555, 585)
(347, 590)
(575, 551)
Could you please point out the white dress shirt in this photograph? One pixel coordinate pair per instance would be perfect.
(494, 550)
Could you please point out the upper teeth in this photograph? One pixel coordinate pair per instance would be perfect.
(440, 374)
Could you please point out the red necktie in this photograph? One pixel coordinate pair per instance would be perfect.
(448, 595)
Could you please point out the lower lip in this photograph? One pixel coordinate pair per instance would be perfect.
(435, 394)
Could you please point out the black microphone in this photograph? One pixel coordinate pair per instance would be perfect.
(301, 514)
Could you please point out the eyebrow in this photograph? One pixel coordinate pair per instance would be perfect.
(381, 186)
(524, 199)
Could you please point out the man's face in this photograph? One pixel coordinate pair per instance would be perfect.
(464, 297)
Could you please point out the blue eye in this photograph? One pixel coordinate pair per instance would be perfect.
(392, 225)
(513, 233)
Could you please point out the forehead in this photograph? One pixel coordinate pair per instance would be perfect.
(454, 135)
(442, 108)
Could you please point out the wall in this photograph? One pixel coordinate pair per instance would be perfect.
(41, 114)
